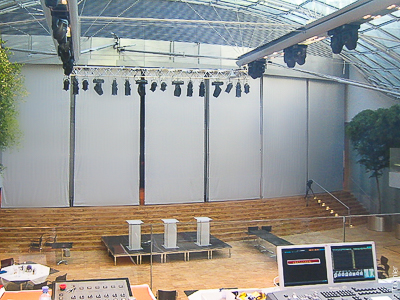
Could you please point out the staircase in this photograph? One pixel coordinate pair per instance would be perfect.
(84, 226)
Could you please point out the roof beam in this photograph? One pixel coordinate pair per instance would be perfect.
(353, 13)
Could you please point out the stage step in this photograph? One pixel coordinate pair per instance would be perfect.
(84, 226)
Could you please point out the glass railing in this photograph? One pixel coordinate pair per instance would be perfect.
(184, 256)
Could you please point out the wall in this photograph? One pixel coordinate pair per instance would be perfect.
(360, 184)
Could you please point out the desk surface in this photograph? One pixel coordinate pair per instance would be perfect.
(140, 292)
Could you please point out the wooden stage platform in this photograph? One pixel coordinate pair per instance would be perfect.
(117, 246)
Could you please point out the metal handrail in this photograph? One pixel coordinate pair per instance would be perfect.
(334, 197)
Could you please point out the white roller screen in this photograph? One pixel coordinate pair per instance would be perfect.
(326, 134)
(284, 137)
(174, 159)
(235, 143)
(107, 146)
(36, 174)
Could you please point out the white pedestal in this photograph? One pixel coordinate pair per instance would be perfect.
(170, 233)
(135, 235)
(203, 231)
(394, 179)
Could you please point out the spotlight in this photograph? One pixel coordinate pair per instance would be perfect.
(217, 89)
(75, 86)
(85, 85)
(256, 68)
(177, 90)
(229, 87)
(189, 92)
(246, 88)
(202, 89)
(345, 35)
(141, 87)
(97, 87)
(295, 53)
(66, 84)
(114, 87)
(153, 86)
(60, 28)
(163, 86)
(127, 88)
(238, 90)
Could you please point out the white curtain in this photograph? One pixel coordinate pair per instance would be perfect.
(107, 146)
(36, 173)
(235, 143)
(284, 137)
(174, 143)
(326, 134)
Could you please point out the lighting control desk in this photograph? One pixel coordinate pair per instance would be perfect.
(96, 289)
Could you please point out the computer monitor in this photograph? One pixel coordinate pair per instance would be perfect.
(302, 265)
(353, 262)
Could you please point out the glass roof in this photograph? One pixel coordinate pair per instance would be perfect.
(242, 24)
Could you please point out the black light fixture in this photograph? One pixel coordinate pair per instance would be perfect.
(177, 90)
(141, 87)
(217, 89)
(66, 84)
(229, 87)
(75, 86)
(163, 86)
(97, 86)
(127, 87)
(345, 35)
(153, 86)
(295, 54)
(246, 88)
(114, 87)
(238, 90)
(202, 89)
(256, 68)
(189, 92)
(85, 85)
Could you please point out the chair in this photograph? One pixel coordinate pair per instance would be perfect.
(37, 244)
(166, 295)
(61, 277)
(7, 262)
(39, 285)
(11, 286)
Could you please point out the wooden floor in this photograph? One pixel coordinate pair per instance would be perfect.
(246, 268)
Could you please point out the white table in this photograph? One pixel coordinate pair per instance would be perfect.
(20, 273)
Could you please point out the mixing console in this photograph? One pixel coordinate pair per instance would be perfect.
(353, 291)
(98, 289)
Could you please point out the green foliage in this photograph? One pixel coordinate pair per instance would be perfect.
(373, 133)
(11, 91)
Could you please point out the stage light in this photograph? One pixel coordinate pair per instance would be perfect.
(163, 86)
(153, 86)
(75, 86)
(295, 54)
(202, 89)
(85, 85)
(127, 87)
(60, 28)
(114, 87)
(141, 87)
(97, 86)
(238, 90)
(345, 35)
(177, 90)
(66, 84)
(256, 68)
(229, 87)
(189, 92)
(246, 88)
(217, 89)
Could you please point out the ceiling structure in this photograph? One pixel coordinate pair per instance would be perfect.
(240, 24)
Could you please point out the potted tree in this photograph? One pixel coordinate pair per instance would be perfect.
(373, 133)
